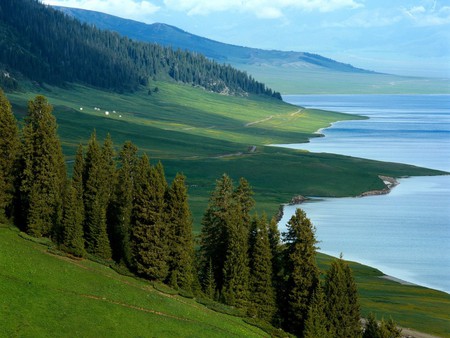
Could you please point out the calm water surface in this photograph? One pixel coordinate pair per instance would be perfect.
(406, 233)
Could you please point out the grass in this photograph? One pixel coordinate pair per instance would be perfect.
(43, 295)
(204, 135)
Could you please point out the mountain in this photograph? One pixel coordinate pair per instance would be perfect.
(167, 35)
(287, 71)
(57, 49)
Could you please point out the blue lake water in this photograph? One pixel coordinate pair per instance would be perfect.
(406, 233)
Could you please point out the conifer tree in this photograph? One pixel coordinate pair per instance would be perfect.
(44, 173)
(342, 308)
(122, 204)
(9, 153)
(316, 322)
(96, 200)
(72, 240)
(383, 329)
(243, 197)
(301, 270)
(181, 242)
(262, 293)
(148, 247)
(236, 272)
(216, 223)
(77, 181)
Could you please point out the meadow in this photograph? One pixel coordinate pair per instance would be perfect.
(204, 135)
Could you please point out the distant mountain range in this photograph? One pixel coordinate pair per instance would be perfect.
(167, 35)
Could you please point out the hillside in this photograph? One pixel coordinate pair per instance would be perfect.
(167, 35)
(56, 49)
(289, 72)
(43, 293)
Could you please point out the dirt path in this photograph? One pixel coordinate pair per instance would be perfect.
(259, 121)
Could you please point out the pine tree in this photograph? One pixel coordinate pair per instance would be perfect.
(342, 300)
(384, 329)
(181, 242)
(236, 272)
(243, 197)
(122, 204)
(72, 240)
(262, 293)
(44, 172)
(301, 270)
(9, 153)
(316, 322)
(214, 239)
(77, 181)
(148, 247)
(96, 201)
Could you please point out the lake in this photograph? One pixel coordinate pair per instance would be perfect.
(406, 233)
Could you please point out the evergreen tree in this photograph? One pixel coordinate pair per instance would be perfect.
(383, 329)
(44, 173)
(301, 270)
(148, 247)
(209, 282)
(96, 200)
(181, 242)
(277, 265)
(262, 293)
(235, 288)
(72, 240)
(216, 223)
(9, 152)
(342, 300)
(122, 204)
(243, 197)
(77, 181)
(316, 322)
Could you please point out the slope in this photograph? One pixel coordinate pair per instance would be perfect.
(43, 294)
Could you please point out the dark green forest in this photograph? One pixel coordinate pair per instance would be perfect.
(47, 46)
(119, 209)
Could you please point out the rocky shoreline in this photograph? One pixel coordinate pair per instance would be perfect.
(390, 184)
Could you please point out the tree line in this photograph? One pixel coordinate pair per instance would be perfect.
(48, 46)
(120, 207)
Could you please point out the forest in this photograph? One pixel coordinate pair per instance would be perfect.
(119, 208)
(56, 49)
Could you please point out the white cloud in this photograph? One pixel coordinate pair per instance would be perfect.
(133, 9)
(434, 16)
(367, 19)
(270, 9)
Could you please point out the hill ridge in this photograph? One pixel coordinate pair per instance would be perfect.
(169, 35)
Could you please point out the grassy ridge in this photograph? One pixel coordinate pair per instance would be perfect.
(42, 294)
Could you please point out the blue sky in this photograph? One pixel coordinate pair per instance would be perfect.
(406, 37)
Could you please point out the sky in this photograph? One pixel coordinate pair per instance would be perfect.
(404, 37)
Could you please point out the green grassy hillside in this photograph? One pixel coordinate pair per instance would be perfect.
(205, 134)
(46, 295)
